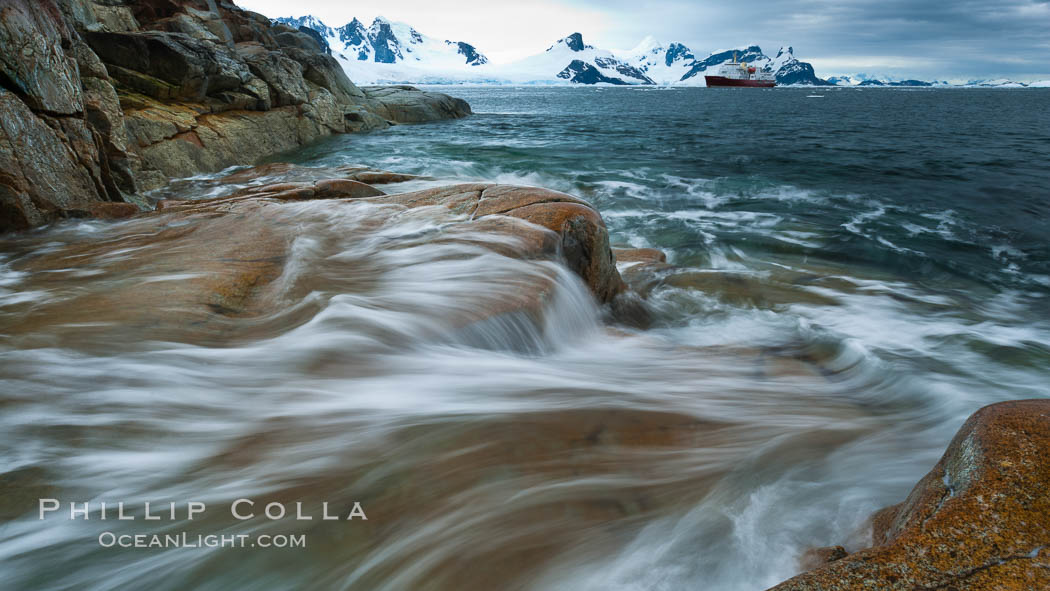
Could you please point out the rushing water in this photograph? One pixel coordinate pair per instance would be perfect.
(857, 273)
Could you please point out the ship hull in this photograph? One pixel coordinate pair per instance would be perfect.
(716, 81)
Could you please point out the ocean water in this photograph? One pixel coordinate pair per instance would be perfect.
(855, 272)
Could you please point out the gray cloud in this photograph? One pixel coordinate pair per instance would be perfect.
(920, 38)
(927, 39)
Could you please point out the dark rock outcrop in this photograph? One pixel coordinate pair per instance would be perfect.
(626, 70)
(386, 44)
(41, 173)
(575, 42)
(321, 41)
(677, 51)
(793, 71)
(355, 34)
(103, 99)
(798, 72)
(472, 55)
(52, 158)
(581, 72)
(979, 520)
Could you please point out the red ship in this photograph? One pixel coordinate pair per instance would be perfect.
(735, 73)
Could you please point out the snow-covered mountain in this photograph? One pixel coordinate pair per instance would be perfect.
(312, 27)
(571, 60)
(896, 83)
(650, 62)
(863, 79)
(844, 80)
(663, 65)
(868, 81)
(390, 52)
(997, 83)
(789, 70)
(308, 21)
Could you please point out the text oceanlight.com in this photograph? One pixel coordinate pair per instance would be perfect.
(185, 540)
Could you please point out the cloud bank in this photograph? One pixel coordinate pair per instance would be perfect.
(954, 40)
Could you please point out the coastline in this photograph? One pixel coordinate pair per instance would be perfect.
(975, 520)
(113, 101)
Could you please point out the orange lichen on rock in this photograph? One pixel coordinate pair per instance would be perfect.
(639, 255)
(208, 269)
(979, 520)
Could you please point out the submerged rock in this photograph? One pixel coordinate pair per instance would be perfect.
(209, 270)
(639, 255)
(584, 241)
(294, 172)
(242, 181)
(979, 520)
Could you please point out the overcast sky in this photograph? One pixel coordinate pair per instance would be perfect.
(928, 39)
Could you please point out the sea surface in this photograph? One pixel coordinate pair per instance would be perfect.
(855, 272)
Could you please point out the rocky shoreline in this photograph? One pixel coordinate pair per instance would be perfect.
(102, 101)
(979, 520)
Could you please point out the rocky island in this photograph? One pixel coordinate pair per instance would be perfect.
(103, 101)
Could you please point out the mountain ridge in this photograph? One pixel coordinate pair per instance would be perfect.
(387, 52)
(390, 52)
